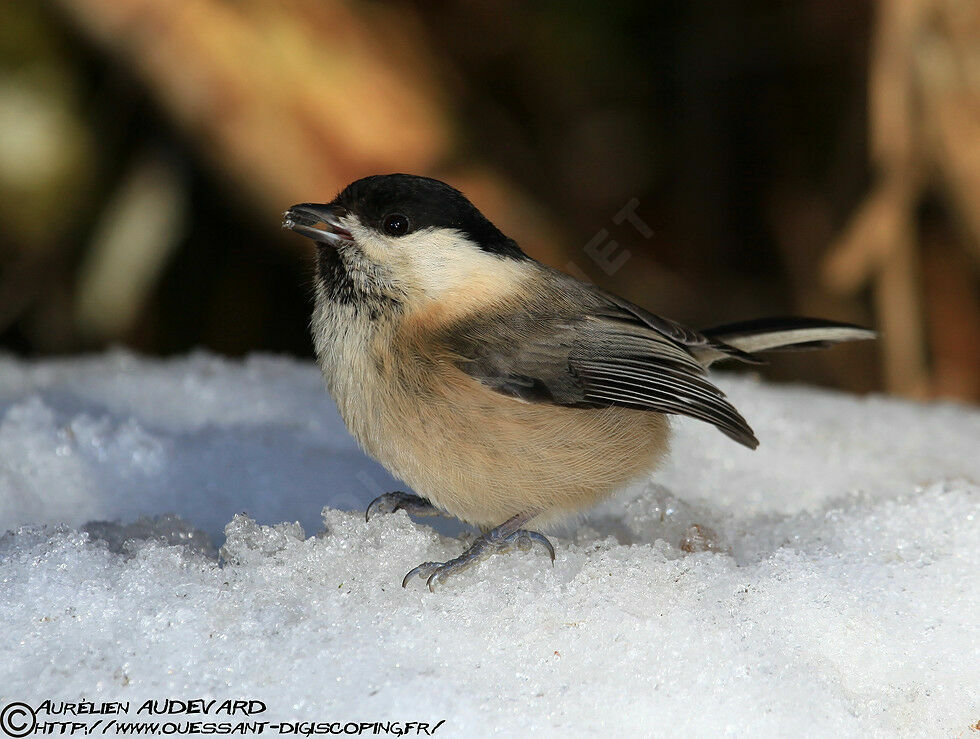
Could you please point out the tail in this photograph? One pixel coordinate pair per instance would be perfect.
(778, 335)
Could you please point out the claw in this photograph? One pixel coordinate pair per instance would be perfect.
(501, 539)
(424, 571)
(435, 577)
(398, 501)
(528, 538)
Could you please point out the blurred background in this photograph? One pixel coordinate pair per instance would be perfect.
(710, 160)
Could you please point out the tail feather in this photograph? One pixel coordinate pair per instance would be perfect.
(780, 334)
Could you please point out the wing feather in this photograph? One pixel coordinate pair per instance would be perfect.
(577, 347)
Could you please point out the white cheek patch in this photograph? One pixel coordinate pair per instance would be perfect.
(440, 259)
(436, 263)
(443, 261)
(372, 244)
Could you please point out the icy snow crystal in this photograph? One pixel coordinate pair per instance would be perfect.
(826, 584)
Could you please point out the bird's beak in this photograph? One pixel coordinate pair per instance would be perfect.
(318, 222)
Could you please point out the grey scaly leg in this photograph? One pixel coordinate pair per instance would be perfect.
(508, 535)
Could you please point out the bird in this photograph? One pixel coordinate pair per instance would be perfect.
(503, 392)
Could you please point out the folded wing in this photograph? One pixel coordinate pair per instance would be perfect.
(580, 347)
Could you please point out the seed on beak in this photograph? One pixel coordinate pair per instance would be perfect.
(318, 222)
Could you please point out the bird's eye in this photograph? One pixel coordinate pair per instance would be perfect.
(395, 224)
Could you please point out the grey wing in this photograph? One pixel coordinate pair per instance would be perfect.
(705, 348)
(583, 351)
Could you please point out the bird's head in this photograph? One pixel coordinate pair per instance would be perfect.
(405, 238)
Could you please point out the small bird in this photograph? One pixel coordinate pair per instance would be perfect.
(503, 392)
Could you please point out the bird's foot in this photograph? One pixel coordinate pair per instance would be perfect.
(414, 505)
(501, 539)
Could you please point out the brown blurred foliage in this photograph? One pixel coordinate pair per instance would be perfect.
(916, 236)
(711, 161)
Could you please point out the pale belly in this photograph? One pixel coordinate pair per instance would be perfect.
(484, 457)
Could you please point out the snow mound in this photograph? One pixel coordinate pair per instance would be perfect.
(826, 584)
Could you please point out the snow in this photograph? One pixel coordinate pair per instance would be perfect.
(827, 584)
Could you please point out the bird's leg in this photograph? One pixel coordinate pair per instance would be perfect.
(414, 505)
(508, 535)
